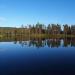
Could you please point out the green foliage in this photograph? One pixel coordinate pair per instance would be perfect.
(39, 30)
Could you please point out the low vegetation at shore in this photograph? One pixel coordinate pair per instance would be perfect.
(39, 30)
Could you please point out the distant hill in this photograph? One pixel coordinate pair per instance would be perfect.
(7, 27)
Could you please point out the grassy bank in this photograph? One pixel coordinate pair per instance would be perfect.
(51, 36)
(1, 36)
(40, 36)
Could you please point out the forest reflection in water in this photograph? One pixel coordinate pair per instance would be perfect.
(36, 56)
(41, 42)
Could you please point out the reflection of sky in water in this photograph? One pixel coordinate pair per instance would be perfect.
(51, 43)
(22, 59)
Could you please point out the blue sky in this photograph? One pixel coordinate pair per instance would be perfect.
(18, 12)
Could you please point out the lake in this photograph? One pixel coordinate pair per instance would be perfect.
(37, 56)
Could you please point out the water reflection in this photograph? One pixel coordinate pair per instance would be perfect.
(41, 42)
(20, 56)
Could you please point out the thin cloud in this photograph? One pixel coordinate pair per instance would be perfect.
(2, 19)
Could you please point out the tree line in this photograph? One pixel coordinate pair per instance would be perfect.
(53, 29)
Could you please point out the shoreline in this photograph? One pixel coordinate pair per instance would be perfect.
(39, 35)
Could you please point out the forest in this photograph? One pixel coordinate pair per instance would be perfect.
(39, 30)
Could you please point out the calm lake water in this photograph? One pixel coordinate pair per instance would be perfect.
(37, 57)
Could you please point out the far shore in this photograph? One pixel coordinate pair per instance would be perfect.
(39, 35)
